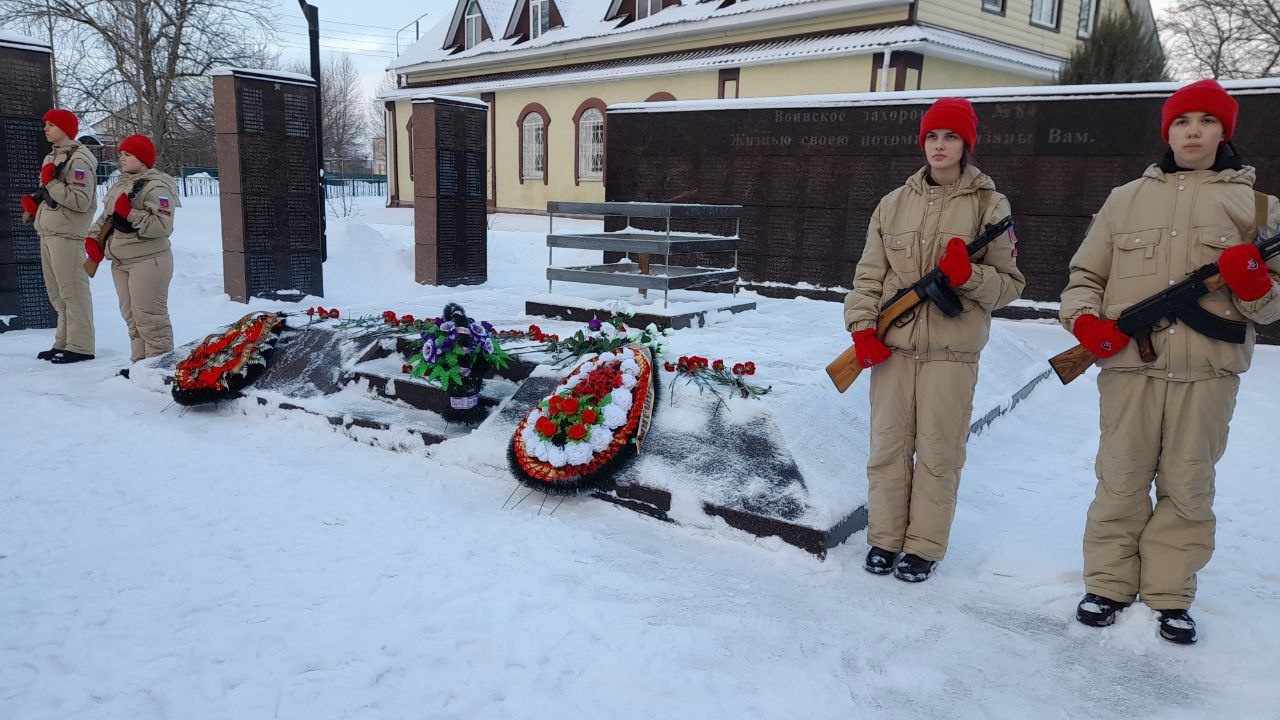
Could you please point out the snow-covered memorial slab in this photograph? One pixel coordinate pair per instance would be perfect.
(763, 444)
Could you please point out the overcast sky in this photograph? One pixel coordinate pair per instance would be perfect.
(365, 30)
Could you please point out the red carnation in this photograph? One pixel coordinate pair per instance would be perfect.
(389, 317)
(406, 369)
(589, 417)
(546, 427)
(577, 431)
(334, 313)
(668, 366)
(311, 311)
(718, 365)
(750, 367)
(407, 320)
(320, 309)
(554, 404)
(737, 368)
(569, 405)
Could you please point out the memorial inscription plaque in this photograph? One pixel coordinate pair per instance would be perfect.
(1055, 155)
(450, 192)
(271, 212)
(26, 92)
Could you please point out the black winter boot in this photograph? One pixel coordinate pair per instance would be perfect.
(879, 561)
(64, 357)
(1097, 611)
(913, 568)
(47, 354)
(1177, 626)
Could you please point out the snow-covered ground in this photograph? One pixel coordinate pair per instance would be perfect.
(218, 565)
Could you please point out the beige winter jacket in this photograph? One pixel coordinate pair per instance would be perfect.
(75, 191)
(1152, 232)
(909, 232)
(151, 216)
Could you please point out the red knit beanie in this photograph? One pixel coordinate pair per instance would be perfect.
(1204, 96)
(66, 121)
(954, 114)
(140, 147)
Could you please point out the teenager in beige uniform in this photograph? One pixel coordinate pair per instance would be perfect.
(140, 205)
(925, 372)
(1167, 421)
(68, 179)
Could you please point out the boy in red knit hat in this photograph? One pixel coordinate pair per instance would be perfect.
(1166, 421)
(62, 209)
(925, 370)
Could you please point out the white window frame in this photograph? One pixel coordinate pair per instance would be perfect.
(473, 24)
(591, 146)
(533, 147)
(1091, 7)
(645, 8)
(539, 18)
(1038, 11)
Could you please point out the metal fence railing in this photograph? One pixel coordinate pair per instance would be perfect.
(198, 182)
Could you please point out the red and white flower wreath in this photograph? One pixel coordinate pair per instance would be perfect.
(568, 441)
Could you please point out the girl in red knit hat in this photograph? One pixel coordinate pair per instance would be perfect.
(926, 369)
(1165, 421)
(139, 207)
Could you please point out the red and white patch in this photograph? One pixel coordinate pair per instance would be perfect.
(164, 201)
(1253, 265)
(1013, 242)
(77, 178)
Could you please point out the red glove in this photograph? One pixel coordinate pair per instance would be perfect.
(46, 173)
(955, 263)
(122, 206)
(1099, 337)
(95, 252)
(869, 349)
(1244, 271)
(29, 204)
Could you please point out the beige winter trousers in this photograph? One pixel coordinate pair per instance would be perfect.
(62, 262)
(1172, 433)
(920, 412)
(143, 288)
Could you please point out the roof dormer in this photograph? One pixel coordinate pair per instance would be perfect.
(531, 18)
(632, 10)
(468, 28)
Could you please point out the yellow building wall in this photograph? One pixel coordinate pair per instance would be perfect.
(939, 74)
(561, 102)
(812, 77)
(1014, 28)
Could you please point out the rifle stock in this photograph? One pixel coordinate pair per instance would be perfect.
(104, 234)
(1071, 364)
(845, 368)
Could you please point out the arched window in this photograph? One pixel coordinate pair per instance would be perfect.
(591, 145)
(533, 147)
(474, 24)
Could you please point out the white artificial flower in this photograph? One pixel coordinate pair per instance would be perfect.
(607, 330)
(573, 380)
(614, 416)
(630, 367)
(621, 398)
(628, 381)
(577, 453)
(555, 456)
(600, 438)
(540, 449)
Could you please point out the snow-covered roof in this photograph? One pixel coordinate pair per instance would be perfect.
(23, 42)
(928, 41)
(451, 98)
(585, 27)
(976, 95)
(259, 74)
